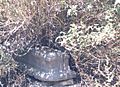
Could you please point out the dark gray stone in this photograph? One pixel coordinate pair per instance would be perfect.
(47, 64)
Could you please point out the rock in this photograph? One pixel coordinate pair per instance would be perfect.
(68, 83)
(47, 64)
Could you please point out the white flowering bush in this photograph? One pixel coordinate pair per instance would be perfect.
(76, 39)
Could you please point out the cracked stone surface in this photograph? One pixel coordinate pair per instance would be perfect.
(48, 65)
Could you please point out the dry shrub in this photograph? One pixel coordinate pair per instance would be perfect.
(77, 25)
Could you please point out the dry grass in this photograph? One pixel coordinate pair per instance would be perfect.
(78, 25)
